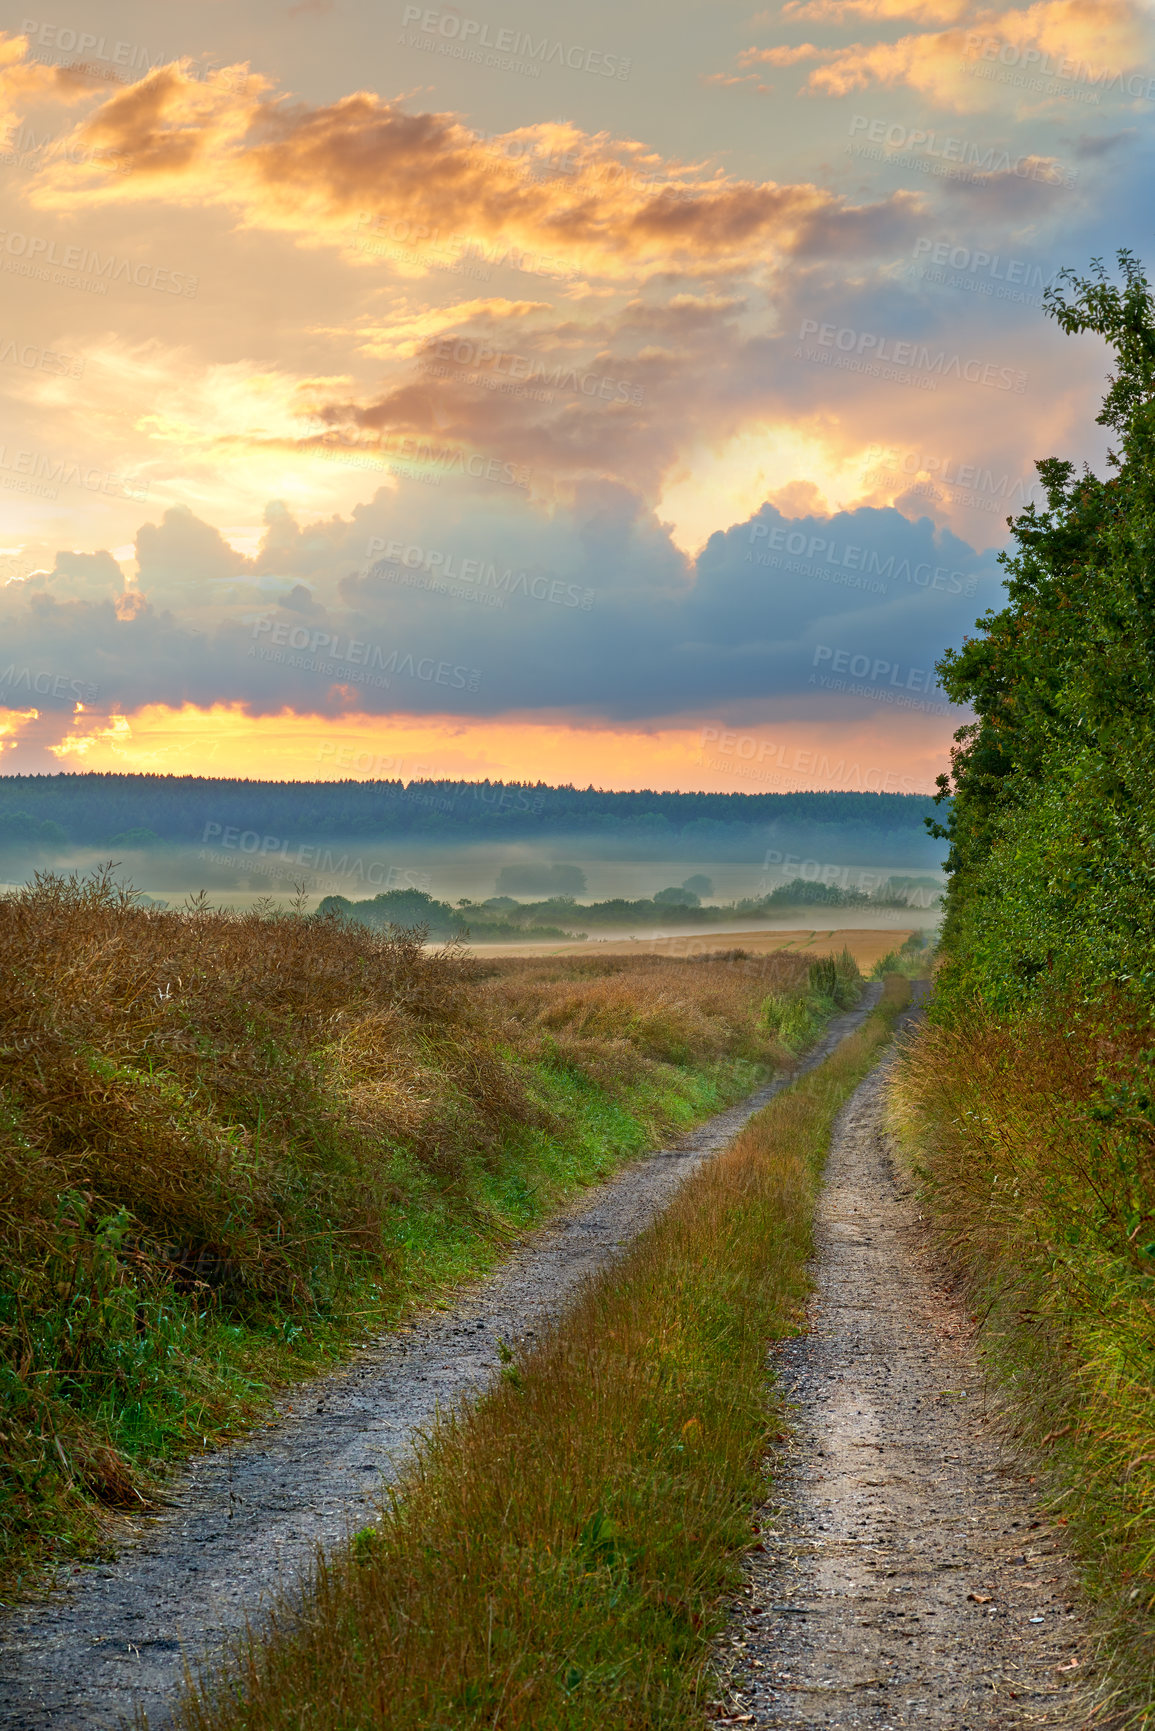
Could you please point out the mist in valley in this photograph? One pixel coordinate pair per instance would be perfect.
(240, 869)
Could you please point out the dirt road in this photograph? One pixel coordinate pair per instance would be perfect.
(908, 1576)
(247, 1518)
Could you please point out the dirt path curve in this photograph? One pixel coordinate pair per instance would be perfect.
(908, 1577)
(247, 1518)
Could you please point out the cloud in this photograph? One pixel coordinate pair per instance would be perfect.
(837, 11)
(182, 559)
(459, 606)
(359, 172)
(732, 81)
(786, 56)
(567, 399)
(1095, 39)
(81, 577)
(24, 82)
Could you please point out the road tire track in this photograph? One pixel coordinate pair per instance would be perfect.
(909, 1576)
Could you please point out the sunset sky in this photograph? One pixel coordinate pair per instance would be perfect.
(627, 394)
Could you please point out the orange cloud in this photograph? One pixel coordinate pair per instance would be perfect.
(786, 56)
(24, 81)
(730, 80)
(835, 11)
(1094, 39)
(360, 169)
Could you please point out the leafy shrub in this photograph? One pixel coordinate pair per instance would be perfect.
(1028, 1100)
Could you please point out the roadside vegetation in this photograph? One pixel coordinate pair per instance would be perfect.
(914, 959)
(559, 1554)
(1029, 1100)
(230, 1145)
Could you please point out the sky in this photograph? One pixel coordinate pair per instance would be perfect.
(632, 395)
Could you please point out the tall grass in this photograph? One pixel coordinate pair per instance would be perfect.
(1035, 1141)
(230, 1143)
(557, 1555)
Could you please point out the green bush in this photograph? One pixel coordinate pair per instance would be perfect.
(1029, 1097)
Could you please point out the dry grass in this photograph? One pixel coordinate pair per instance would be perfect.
(865, 945)
(226, 1140)
(602, 1008)
(1036, 1144)
(557, 1556)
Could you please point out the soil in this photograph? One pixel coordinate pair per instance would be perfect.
(245, 1520)
(908, 1575)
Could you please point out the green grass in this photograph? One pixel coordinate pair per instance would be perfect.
(162, 1373)
(231, 1146)
(1033, 1140)
(558, 1555)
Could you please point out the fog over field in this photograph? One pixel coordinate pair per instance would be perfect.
(500, 855)
(236, 869)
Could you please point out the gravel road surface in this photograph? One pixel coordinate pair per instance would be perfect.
(908, 1576)
(246, 1519)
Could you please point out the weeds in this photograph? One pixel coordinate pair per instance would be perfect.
(833, 984)
(226, 1141)
(913, 960)
(556, 1557)
(1035, 1142)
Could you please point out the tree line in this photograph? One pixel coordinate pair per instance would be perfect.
(1051, 794)
(132, 811)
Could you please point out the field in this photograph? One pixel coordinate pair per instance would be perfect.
(866, 946)
(231, 1144)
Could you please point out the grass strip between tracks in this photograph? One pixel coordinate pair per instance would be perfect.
(557, 1555)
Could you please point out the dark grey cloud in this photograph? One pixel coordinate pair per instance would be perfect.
(457, 604)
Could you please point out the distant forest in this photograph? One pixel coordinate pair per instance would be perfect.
(47, 812)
